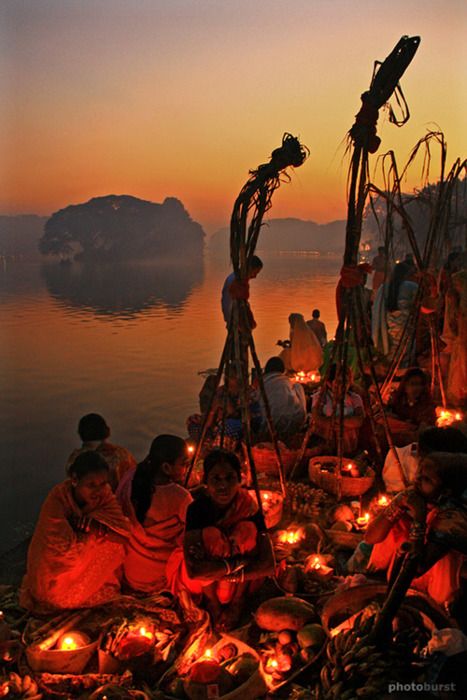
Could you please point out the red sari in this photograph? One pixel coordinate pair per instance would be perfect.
(67, 569)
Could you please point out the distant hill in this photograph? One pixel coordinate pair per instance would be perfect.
(291, 234)
(19, 235)
(121, 227)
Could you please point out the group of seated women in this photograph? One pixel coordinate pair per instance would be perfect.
(150, 536)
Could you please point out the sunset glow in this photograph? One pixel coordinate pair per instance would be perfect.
(181, 98)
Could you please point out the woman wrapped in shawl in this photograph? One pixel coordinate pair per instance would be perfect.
(411, 408)
(155, 502)
(78, 546)
(304, 353)
(433, 515)
(226, 546)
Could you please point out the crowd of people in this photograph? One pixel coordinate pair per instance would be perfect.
(116, 526)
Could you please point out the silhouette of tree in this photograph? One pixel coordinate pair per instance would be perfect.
(122, 228)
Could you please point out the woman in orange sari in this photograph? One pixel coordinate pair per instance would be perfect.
(156, 503)
(226, 545)
(432, 515)
(78, 546)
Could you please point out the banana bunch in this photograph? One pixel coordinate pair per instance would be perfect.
(25, 687)
(356, 668)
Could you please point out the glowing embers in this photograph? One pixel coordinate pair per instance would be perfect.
(307, 377)
(291, 536)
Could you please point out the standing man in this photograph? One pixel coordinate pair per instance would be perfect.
(318, 327)
(231, 284)
(379, 267)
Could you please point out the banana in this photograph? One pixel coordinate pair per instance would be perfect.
(368, 691)
(26, 684)
(325, 676)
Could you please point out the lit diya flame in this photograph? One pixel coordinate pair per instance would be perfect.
(363, 520)
(190, 449)
(383, 501)
(305, 377)
(208, 654)
(446, 416)
(72, 640)
(145, 633)
(318, 564)
(272, 665)
(291, 536)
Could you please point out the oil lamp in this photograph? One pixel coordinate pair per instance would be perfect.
(137, 641)
(362, 521)
(316, 564)
(70, 641)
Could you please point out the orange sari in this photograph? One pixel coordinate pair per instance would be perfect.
(67, 569)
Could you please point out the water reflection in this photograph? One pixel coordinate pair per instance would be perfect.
(122, 289)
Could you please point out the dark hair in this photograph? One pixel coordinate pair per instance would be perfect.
(86, 463)
(164, 448)
(92, 426)
(399, 274)
(451, 469)
(316, 313)
(399, 395)
(448, 439)
(381, 248)
(255, 263)
(274, 364)
(220, 456)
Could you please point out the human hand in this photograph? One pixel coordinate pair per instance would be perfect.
(411, 501)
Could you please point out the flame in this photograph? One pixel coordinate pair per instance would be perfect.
(68, 644)
(315, 563)
(190, 449)
(272, 664)
(348, 467)
(363, 520)
(383, 500)
(145, 633)
(208, 654)
(446, 416)
(291, 536)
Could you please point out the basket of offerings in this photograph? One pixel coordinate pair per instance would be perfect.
(355, 480)
(69, 654)
(266, 461)
(288, 636)
(345, 527)
(230, 669)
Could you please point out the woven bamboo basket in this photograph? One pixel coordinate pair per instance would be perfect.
(327, 480)
(265, 458)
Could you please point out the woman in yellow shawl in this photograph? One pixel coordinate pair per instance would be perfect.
(78, 546)
(305, 353)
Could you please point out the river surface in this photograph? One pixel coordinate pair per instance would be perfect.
(126, 341)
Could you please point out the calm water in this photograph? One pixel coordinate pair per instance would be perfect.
(126, 341)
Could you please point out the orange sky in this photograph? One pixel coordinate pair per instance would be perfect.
(180, 98)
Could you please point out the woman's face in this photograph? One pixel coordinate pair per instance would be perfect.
(177, 471)
(223, 484)
(414, 388)
(90, 489)
(427, 481)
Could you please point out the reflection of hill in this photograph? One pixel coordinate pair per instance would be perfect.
(122, 289)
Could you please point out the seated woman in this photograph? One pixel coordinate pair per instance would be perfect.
(433, 515)
(226, 544)
(326, 424)
(411, 407)
(303, 353)
(78, 546)
(156, 504)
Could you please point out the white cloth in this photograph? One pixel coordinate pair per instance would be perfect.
(409, 463)
(286, 400)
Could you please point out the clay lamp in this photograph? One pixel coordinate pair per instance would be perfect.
(350, 469)
(362, 521)
(70, 641)
(316, 564)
